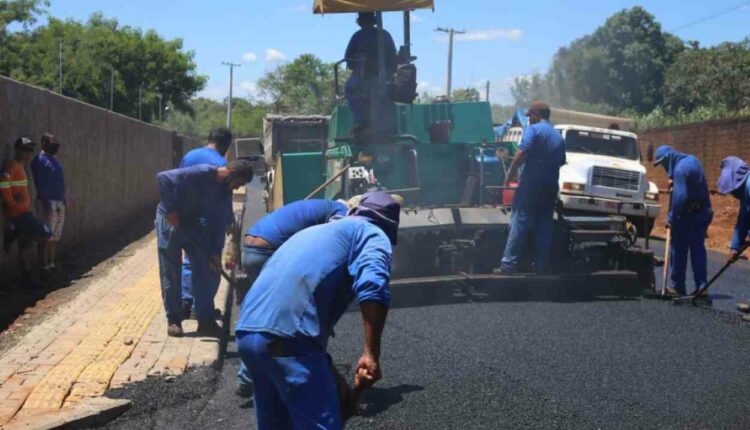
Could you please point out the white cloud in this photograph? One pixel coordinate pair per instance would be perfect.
(249, 57)
(486, 35)
(249, 87)
(274, 56)
(215, 90)
(424, 87)
(416, 19)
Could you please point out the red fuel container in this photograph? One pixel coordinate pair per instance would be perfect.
(509, 193)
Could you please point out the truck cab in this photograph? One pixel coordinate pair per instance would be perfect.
(604, 175)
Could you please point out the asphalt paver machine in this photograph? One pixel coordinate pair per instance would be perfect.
(443, 160)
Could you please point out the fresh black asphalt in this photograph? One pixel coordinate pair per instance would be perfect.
(472, 364)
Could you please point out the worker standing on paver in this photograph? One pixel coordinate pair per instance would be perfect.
(689, 216)
(187, 198)
(219, 141)
(362, 59)
(21, 224)
(50, 198)
(288, 315)
(542, 153)
(272, 231)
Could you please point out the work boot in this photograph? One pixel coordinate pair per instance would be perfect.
(674, 293)
(174, 330)
(187, 310)
(209, 328)
(244, 390)
(743, 307)
(746, 318)
(504, 271)
(702, 294)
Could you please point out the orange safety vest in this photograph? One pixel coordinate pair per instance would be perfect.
(14, 190)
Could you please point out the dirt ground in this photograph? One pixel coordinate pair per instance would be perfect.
(720, 232)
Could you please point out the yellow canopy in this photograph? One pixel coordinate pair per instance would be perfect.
(343, 6)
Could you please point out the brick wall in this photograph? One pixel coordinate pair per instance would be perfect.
(110, 160)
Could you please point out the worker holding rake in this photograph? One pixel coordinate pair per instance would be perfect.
(733, 180)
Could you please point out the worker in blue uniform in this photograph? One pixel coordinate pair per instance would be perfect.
(269, 233)
(735, 174)
(542, 153)
(362, 59)
(219, 140)
(689, 216)
(190, 200)
(290, 312)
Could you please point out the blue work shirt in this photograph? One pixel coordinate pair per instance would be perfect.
(281, 224)
(192, 192)
(742, 227)
(206, 155)
(690, 196)
(545, 154)
(362, 52)
(48, 177)
(310, 281)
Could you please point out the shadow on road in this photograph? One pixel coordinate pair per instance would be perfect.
(376, 399)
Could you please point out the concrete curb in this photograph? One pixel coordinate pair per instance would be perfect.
(90, 413)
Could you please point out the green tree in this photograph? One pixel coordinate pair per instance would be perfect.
(621, 66)
(304, 86)
(712, 78)
(145, 65)
(247, 118)
(466, 95)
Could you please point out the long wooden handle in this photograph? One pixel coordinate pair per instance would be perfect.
(328, 182)
(665, 274)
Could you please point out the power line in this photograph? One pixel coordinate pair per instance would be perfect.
(710, 17)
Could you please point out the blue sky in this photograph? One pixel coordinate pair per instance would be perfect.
(504, 40)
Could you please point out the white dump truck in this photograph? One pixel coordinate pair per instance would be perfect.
(603, 174)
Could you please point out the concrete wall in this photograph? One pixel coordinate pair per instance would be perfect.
(110, 160)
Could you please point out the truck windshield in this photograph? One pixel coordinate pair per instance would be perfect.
(601, 144)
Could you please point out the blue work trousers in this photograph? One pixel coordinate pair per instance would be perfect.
(294, 387)
(171, 242)
(689, 236)
(253, 259)
(525, 224)
(187, 275)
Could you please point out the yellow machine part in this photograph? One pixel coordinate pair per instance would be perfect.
(344, 6)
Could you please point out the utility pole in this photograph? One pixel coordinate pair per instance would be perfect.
(60, 63)
(112, 89)
(231, 83)
(487, 92)
(451, 32)
(140, 102)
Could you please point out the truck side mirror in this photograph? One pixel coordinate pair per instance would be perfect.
(650, 152)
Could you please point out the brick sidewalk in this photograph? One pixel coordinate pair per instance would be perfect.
(113, 333)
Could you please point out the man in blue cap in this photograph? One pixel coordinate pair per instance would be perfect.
(542, 153)
(735, 174)
(288, 315)
(272, 231)
(219, 141)
(190, 200)
(689, 216)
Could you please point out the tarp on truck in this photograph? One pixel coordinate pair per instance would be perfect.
(300, 133)
(344, 6)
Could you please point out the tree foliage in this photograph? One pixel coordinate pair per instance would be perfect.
(304, 86)
(714, 78)
(143, 63)
(466, 95)
(247, 118)
(621, 66)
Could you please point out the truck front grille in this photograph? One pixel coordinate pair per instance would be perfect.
(616, 178)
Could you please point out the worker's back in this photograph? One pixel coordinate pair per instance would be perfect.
(203, 155)
(281, 224)
(310, 281)
(362, 52)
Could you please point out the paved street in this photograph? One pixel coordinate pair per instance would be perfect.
(470, 364)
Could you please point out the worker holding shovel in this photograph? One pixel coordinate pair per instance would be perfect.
(735, 174)
(689, 216)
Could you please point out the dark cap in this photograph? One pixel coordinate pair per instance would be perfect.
(381, 209)
(539, 107)
(366, 17)
(24, 143)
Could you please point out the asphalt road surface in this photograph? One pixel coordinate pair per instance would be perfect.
(472, 364)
